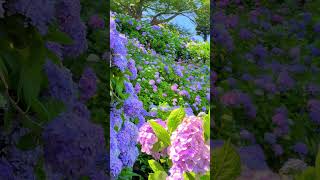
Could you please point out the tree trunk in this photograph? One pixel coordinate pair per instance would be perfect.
(205, 37)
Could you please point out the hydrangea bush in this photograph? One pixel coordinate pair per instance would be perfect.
(181, 142)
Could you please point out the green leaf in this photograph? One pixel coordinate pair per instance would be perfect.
(189, 176)
(155, 166)
(39, 172)
(31, 74)
(160, 132)
(127, 173)
(206, 176)
(318, 165)
(226, 163)
(159, 175)
(28, 141)
(307, 174)
(57, 36)
(30, 83)
(158, 146)
(175, 118)
(206, 126)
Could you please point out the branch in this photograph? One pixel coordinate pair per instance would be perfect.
(14, 104)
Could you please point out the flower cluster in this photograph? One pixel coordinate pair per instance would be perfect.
(87, 84)
(123, 132)
(188, 150)
(72, 145)
(147, 139)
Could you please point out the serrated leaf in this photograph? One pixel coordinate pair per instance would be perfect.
(159, 175)
(155, 166)
(226, 163)
(160, 132)
(175, 118)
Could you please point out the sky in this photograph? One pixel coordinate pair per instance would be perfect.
(188, 24)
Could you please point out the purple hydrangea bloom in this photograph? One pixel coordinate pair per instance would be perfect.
(96, 22)
(132, 68)
(184, 93)
(285, 82)
(116, 164)
(278, 150)
(115, 118)
(300, 148)
(72, 144)
(129, 88)
(253, 157)
(132, 107)
(60, 85)
(80, 109)
(137, 88)
(270, 138)
(67, 13)
(138, 27)
(155, 27)
(127, 139)
(88, 84)
(120, 62)
(6, 170)
(188, 150)
(39, 13)
(245, 34)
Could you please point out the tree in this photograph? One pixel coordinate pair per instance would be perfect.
(202, 19)
(157, 11)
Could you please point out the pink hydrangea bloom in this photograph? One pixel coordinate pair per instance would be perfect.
(174, 87)
(152, 82)
(188, 150)
(147, 138)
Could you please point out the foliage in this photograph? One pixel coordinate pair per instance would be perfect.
(157, 11)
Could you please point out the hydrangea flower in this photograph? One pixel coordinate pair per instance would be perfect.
(67, 13)
(147, 139)
(127, 138)
(88, 84)
(188, 150)
(174, 87)
(132, 107)
(72, 144)
(61, 85)
(39, 13)
(300, 148)
(137, 88)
